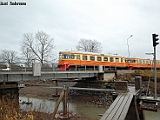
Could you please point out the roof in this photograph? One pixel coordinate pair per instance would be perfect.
(90, 53)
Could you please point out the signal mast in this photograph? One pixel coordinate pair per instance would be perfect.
(155, 43)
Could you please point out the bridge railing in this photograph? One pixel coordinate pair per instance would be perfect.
(21, 67)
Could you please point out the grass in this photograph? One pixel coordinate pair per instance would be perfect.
(148, 73)
(8, 111)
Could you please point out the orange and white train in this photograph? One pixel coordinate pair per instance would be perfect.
(75, 59)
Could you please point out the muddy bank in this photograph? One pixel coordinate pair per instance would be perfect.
(34, 89)
(101, 99)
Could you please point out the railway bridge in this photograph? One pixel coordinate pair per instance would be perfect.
(119, 109)
(36, 72)
(9, 77)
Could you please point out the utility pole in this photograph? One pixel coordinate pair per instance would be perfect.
(128, 45)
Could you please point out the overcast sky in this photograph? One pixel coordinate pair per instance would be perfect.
(111, 22)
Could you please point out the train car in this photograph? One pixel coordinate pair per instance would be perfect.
(138, 63)
(76, 59)
(70, 59)
(158, 64)
(141, 63)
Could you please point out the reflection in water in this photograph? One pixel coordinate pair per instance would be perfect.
(44, 105)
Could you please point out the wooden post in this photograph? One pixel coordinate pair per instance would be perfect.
(65, 101)
(57, 105)
(64, 97)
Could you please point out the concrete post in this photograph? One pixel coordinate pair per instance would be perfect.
(138, 83)
(56, 88)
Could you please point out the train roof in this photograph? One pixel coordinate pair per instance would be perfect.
(101, 54)
(91, 53)
(138, 58)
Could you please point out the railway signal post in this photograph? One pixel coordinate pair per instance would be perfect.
(149, 103)
(155, 43)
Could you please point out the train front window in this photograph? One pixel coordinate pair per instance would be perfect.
(99, 59)
(84, 57)
(92, 58)
(65, 56)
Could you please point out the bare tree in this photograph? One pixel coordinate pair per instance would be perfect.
(88, 45)
(39, 47)
(9, 56)
(27, 56)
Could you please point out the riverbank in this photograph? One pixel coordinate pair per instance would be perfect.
(94, 98)
(35, 89)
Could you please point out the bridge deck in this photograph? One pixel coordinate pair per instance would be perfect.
(119, 108)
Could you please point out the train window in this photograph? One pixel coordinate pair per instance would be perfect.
(92, 58)
(77, 57)
(84, 57)
(117, 59)
(111, 59)
(65, 56)
(99, 59)
(129, 61)
(105, 59)
(147, 62)
(72, 56)
(140, 61)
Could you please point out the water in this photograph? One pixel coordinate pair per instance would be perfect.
(44, 105)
